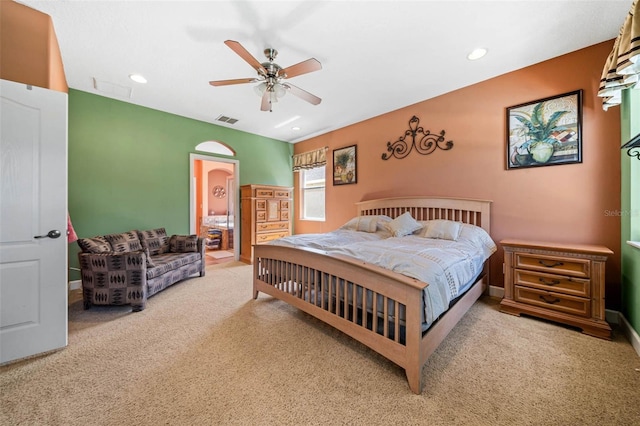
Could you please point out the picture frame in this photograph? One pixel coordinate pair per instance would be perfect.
(545, 132)
(345, 165)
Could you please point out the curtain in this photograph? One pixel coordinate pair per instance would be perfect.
(622, 68)
(310, 159)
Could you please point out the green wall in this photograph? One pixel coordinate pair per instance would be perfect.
(630, 207)
(129, 165)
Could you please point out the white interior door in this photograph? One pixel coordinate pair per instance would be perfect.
(33, 220)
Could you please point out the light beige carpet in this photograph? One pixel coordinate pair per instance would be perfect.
(205, 353)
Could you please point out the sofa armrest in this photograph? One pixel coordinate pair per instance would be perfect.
(189, 244)
(201, 250)
(114, 279)
(102, 262)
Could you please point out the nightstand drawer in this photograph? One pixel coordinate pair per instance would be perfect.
(553, 264)
(265, 238)
(555, 301)
(562, 284)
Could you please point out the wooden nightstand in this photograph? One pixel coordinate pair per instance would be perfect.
(558, 282)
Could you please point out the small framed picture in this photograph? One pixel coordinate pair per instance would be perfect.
(345, 165)
(545, 132)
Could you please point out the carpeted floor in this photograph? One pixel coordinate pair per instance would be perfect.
(205, 353)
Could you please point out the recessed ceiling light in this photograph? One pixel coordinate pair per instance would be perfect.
(296, 128)
(477, 54)
(137, 78)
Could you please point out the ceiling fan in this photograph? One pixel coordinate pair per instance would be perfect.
(272, 76)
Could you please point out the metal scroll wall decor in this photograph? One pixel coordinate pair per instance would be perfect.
(633, 147)
(422, 140)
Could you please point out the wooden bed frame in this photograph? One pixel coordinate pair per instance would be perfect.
(313, 281)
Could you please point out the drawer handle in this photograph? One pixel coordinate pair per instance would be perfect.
(550, 265)
(551, 302)
(552, 282)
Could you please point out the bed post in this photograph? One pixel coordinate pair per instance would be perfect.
(413, 338)
(256, 274)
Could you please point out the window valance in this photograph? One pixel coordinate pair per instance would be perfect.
(622, 69)
(310, 159)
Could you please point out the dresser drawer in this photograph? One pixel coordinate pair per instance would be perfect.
(265, 238)
(264, 192)
(272, 226)
(562, 284)
(555, 301)
(261, 216)
(553, 264)
(279, 193)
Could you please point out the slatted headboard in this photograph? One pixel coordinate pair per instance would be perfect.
(475, 212)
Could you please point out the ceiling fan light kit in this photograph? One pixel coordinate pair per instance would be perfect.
(272, 76)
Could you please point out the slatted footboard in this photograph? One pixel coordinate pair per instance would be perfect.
(377, 307)
(326, 287)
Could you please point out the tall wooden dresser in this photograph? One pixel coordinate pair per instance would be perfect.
(265, 216)
(558, 282)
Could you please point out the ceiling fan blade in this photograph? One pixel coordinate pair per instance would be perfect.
(302, 94)
(266, 101)
(244, 54)
(234, 81)
(300, 68)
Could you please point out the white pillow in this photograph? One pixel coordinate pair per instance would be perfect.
(479, 237)
(362, 224)
(403, 225)
(442, 229)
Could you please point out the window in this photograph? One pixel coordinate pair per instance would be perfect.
(312, 184)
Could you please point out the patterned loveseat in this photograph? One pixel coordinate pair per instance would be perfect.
(127, 268)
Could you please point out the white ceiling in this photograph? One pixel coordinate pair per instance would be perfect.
(377, 56)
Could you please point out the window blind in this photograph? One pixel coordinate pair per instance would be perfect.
(622, 68)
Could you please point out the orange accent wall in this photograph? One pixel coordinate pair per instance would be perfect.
(29, 51)
(561, 203)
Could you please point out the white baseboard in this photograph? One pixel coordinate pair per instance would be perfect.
(612, 317)
(495, 291)
(628, 331)
(75, 285)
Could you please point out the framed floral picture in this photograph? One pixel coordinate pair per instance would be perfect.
(545, 132)
(344, 165)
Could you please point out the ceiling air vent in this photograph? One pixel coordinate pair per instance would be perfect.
(112, 89)
(226, 119)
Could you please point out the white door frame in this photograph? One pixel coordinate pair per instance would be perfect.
(192, 196)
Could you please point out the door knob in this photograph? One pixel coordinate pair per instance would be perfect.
(51, 234)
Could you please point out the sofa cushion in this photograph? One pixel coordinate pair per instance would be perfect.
(155, 240)
(169, 261)
(183, 243)
(94, 245)
(124, 242)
